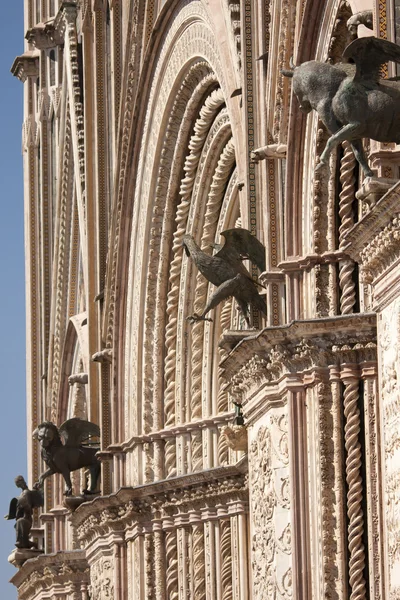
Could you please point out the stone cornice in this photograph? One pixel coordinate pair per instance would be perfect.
(26, 65)
(170, 432)
(297, 349)
(309, 261)
(43, 572)
(365, 232)
(169, 503)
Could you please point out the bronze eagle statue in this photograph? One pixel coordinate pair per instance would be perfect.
(63, 450)
(227, 272)
(351, 99)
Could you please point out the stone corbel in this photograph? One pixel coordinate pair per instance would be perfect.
(21, 555)
(80, 378)
(236, 437)
(273, 151)
(45, 35)
(373, 188)
(103, 356)
(26, 65)
(384, 159)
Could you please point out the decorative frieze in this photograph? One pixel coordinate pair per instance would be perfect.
(66, 571)
(297, 349)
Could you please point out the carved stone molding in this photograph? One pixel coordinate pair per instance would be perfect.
(374, 242)
(66, 570)
(183, 500)
(297, 349)
(26, 65)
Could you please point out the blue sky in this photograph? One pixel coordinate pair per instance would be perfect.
(12, 297)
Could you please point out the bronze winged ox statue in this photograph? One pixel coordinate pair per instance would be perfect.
(227, 272)
(63, 450)
(351, 99)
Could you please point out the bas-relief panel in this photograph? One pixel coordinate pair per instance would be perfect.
(389, 345)
(102, 580)
(270, 507)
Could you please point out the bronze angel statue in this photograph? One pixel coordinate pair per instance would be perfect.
(351, 99)
(227, 272)
(21, 509)
(63, 450)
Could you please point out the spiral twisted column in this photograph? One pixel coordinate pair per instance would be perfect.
(171, 551)
(226, 559)
(346, 214)
(355, 487)
(199, 562)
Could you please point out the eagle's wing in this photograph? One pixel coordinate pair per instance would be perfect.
(74, 431)
(243, 243)
(369, 54)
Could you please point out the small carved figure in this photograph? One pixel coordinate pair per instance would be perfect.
(226, 271)
(364, 17)
(351, 99)
(72, 454)
(21, 509)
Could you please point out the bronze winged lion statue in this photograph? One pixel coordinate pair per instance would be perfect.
(63, 451)
(227, 271)
(351, 99)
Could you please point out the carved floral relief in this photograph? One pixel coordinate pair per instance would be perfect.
(102, 580)
(389, 342)
(270, 508)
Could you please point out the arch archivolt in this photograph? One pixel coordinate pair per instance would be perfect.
(185, 183)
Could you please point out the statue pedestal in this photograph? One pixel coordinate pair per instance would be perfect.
(20, 555)
(73, 502)
(373, 188)
(236, 437)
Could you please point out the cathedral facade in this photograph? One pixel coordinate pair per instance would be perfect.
(237, 461)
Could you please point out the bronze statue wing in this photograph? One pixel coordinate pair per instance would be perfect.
(36, 498)
(369, 54)
(245, 244)
(12, 511)
(74, 431)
